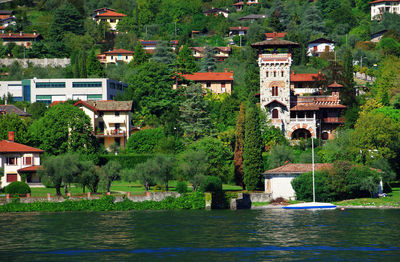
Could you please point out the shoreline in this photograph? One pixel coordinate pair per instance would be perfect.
(338, 207)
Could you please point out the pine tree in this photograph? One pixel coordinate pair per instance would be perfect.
(140, 55)
(194, 120)
(252, 151)
(186, 63)
(94, 67)
(164, 54)
(239, 144)
(208, 61)
(349, 94)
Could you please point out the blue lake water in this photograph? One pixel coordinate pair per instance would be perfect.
(221, 235)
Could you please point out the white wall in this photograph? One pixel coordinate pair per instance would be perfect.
(280, 186)
(320, 48)
(20, 164)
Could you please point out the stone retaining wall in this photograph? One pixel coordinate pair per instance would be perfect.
(42, 62)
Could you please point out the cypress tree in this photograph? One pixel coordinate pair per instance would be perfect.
(208, 61)
(140, 55)
(94, 67)
(252, 151)
(186, 63)
(349, 93)
(239, 144)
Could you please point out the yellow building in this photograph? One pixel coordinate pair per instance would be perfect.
(116, 56)
(108, 15)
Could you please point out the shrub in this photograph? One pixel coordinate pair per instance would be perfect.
(158, 188)
(211, 184)
(181, 187)
(17, 188)
(145, 141)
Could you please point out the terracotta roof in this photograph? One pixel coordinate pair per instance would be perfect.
(298, 168)
(335, 85)
(103, 9)
(118, 51)
(20, 36)
(239, 28)
(322, 40)
(29, 169)
(382, 1)
(110, 13)
(6, 12)
(310, 107)
(12, 147)
(306, 77)
(106, 105)
(210, 76)
(9, 109)
(275, 42)
(275, 35)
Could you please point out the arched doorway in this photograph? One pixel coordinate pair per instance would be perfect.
(301, 133)
(275, 113)
(325, 135)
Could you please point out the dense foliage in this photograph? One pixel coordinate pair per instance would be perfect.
(17, 188)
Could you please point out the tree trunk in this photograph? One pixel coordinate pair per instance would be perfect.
(66, 189)
(146, 187)
(166, 186)
(108, 186)
(58, 190)
(84, 189)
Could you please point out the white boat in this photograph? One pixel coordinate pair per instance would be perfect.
(311, 205)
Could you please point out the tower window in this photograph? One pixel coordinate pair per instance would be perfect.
(282, 73)
(274, 91)
(275, 113)
(266, 74)
(274, 73)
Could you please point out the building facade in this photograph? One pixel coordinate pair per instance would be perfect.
(216, 82)
(50, 90)
(17, 159)
(22, 39)
(115, 56)
(319, 46)
(109, 16)
(379, 7)
(220, 52)
(111, 120)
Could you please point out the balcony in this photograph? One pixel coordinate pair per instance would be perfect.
(111, 133)
(333, 120)
(304, 119)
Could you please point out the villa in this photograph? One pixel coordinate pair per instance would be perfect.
(216, 82)
(109, 16)
(379, 7)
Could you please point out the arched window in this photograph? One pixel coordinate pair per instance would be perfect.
(282, 73)
(274, 73)
(274, 91)
(267, 74)
(275, 113)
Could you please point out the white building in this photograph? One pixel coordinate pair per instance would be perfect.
(17, 159)
(320, 45)
(379, 7)
(109, 16)
(62, 89)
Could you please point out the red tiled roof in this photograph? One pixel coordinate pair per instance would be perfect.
(29, 169)
(335, 85)
(306, 77)
(19, 36)
(239, 28)
(118, 51)
(298, 168)
(382, 1)
(210, 76)
(12, 147)
(275, 35)
(110, 13)
(248, 3)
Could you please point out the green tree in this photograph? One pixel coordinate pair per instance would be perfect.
(164, 54)
(64, 128)
(194, 120)
(193, 166)
(163, 169)
(186, 63)
(94, 67)
(140, 56)
(66, 19)
(252, 150)
(239, 145)
(349, 93)
(208, 62)
(12, 122)
(110, 172)
(37, 109)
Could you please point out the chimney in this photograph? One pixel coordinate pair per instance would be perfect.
(293, 73)
(11, 136)
(20, 33)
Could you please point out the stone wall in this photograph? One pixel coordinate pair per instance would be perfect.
(42, 62)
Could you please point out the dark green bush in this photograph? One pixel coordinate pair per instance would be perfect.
(211, 184)
(181, 187)
(17, 188)
(145, 141)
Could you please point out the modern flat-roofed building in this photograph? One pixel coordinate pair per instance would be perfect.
(62, 89)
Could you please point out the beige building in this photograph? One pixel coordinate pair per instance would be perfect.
(111, 120)
(108, 15)
(116, 56)
(18, 159)
(21, 38)
(220, 52)
(216, 82)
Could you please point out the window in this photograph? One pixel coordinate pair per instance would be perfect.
(116, 113)
(112, 57)
(94, 97)
(274, 73)
(86, 84)
(282, 73)
(28, 160)
(266, 74)
(44, 99)
(223, 85)
(112, 20)
(101, 114)
(12, 178)
(118, 141)
(117, 126)
(50, 85)
(12, 161)
(275, 113)
(274, 91)
(126, 57)
(208, 84)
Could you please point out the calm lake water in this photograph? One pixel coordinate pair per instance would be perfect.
(248, 235)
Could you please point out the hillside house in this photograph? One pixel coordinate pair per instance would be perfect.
(12, 109)
(252, 17)
(216, 12)
(238, 30)
(22, 39)
(109, 16)
(19, 161)
(6, 18)
(240, 5)
(297, 116)
(301, 84)
(111, 120)
(377, 36)
(150, 45)
(277, 181)
(216, 82)
(320, 45)
(270, 36)
(379, 7)
(115, 56)
(220, 52)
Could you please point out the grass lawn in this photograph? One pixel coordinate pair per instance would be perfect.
(393, 199)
